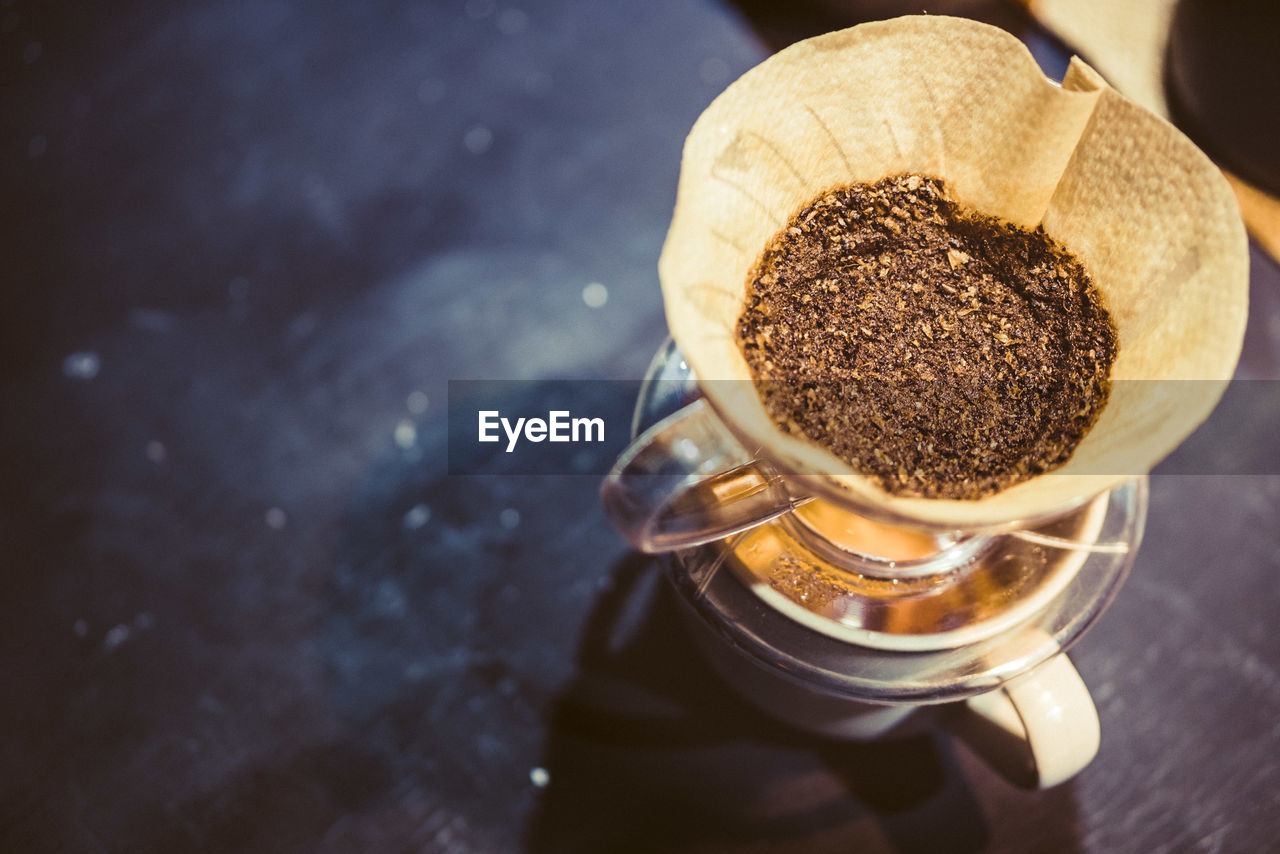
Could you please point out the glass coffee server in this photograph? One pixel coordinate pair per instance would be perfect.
(840, 619)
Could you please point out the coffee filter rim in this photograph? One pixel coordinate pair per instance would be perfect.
(1037, 497)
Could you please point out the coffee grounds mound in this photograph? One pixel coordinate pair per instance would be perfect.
(946, 353)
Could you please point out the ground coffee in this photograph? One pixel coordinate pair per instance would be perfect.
(946, 353)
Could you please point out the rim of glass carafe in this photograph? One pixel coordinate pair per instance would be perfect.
(727, 606)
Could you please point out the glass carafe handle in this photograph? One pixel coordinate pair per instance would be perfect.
(1038, 730)
(687, 481)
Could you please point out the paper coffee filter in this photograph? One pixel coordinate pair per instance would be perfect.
(1148, 214)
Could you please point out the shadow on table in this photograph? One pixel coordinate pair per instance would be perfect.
(648, 751)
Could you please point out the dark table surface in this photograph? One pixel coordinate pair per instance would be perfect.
(243, 606)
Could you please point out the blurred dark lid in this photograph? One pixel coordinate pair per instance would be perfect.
(1223, 79)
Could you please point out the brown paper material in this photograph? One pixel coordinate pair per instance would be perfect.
(1128, 42)
(1143, 208)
